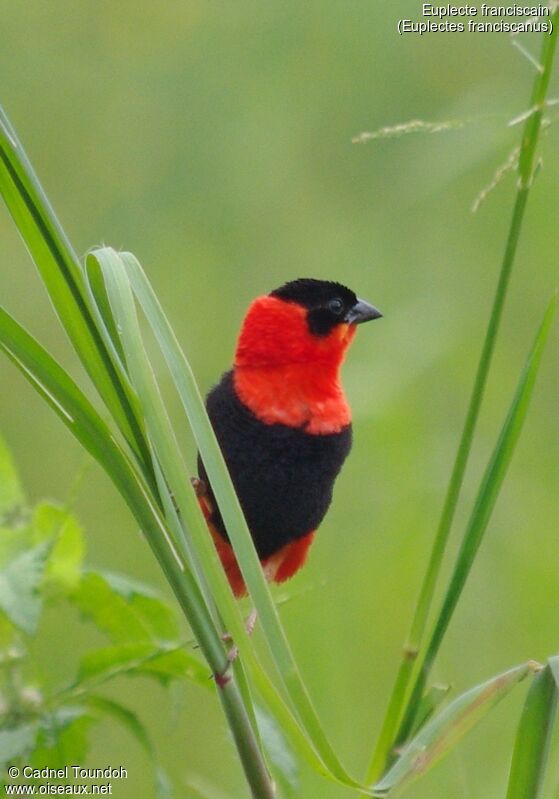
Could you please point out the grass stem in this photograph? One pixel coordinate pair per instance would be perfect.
(397, 708)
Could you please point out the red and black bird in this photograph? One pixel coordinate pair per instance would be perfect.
(283, 422)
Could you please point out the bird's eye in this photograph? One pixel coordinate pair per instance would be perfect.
(336, 306)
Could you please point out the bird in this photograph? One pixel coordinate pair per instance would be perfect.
(283, 422)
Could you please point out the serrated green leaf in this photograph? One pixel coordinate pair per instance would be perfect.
(11, 492)
(17, 742)
(178, 664)
(54, 523)
(110, 611)
(126, 610)
(445, 729)
(145, 659)
(103, 664)
(20, 579)
(159, 617)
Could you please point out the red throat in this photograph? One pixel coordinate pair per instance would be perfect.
(287, 375)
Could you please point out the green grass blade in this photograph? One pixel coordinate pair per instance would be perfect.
(430, 701)
(118, 270)
(527, 161)
(533, 738)
(166, 453)
(60, 391)
(77, 413)
(481, 514)
(106, 263)
(165, 449)
(233, 517)
(442, 732)
(73, 408)
(80, 417)
(64, 280)
(61, 272)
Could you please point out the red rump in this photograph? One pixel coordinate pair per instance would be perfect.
(278, 567)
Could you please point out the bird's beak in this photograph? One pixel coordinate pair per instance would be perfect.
(362, 312)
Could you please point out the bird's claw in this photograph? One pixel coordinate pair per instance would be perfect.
(250, 624)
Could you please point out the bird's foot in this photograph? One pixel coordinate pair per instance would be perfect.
(199, 486)
(223, 678)
(250, 624)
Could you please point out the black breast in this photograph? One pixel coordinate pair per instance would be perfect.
(283, 476)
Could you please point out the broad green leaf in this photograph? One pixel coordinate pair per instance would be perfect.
(444, 730)
(16, 743)
(54, 523)
(531, 748)
(160, 617)
(20, 580)
(127, 611)
(178, 664)
(11, 492)
(100, 665)
(165, 664)
(110, 611)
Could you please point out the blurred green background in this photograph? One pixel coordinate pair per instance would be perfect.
(214, 141)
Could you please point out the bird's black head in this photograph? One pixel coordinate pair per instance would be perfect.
(328, 304)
